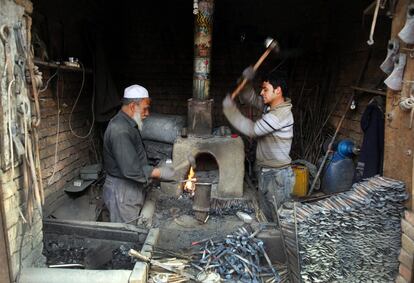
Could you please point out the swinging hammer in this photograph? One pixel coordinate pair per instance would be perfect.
(271, 45)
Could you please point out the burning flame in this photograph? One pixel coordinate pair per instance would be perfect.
(190, 182)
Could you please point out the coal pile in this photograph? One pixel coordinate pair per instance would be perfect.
(61, 253)
(353, 236)
(89, 254)
(230, 207)
(120, 258)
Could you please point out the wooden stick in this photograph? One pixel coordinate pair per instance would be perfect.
(412, 185)
(136, 254)
(255, 67)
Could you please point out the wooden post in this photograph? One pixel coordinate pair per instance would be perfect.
(399, 138)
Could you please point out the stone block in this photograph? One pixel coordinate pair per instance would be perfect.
(139, 273)
(150, 242)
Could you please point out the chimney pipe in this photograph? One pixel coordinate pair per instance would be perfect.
(203, 30)
(200, 122)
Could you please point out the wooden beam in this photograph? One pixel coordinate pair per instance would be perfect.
(96, 230)
(5, 271)
(60, 66)
(368, 90)
(399, 141)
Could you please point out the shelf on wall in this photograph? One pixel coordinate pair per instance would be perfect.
(60, 66)
(368, 90)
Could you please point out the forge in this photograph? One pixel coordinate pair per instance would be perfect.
(225, 151)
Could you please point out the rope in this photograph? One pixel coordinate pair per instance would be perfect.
(74, 106)
(49, 182)
(407, 104)
(48, 81)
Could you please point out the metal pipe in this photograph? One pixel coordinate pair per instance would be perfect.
(201, 203)
(203, 30)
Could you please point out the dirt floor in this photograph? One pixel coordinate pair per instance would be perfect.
(173, 216)
(178, 228)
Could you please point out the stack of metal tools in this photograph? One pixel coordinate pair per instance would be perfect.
(239, 257)
(353, 236)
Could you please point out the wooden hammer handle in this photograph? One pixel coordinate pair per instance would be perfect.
(136, 254)
(255, 67)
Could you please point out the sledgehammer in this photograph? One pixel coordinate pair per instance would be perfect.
(271, 45)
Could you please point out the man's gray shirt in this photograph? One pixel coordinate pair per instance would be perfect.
(123, 150)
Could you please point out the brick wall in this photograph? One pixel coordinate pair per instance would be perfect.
(72, 152)
(323, 50)
(154, 47)
(24, 242)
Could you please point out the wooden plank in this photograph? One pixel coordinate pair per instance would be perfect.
(405, 272)
(405, 258)
(399, 141)
(409, 216)
(96, 230)
(368, 90)
(5, 271)
(95, 224)
(400, 279)
(407, 244)
(407, 229)
(150, 242)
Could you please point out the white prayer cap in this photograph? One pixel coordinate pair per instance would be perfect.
(136, 92)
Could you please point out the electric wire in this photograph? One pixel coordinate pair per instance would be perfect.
(49, 182)
(74, 106)
(48, 81)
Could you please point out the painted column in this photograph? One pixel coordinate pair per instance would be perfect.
(203, 30)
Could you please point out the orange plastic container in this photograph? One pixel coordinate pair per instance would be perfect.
(301, 180)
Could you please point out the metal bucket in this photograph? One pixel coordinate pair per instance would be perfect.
(201, 201)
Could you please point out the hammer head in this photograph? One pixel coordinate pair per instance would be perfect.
(272, 44)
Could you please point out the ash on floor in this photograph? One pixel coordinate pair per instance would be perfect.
(174, 217)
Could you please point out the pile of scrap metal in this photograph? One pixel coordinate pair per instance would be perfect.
(354, 236)
(238, 257)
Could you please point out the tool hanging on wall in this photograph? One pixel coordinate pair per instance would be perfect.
(394, 80)
(8, 161)
(407, 33)
(392, 53)
(23, 78)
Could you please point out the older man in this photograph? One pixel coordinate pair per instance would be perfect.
(273, 132)
(125, 159)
